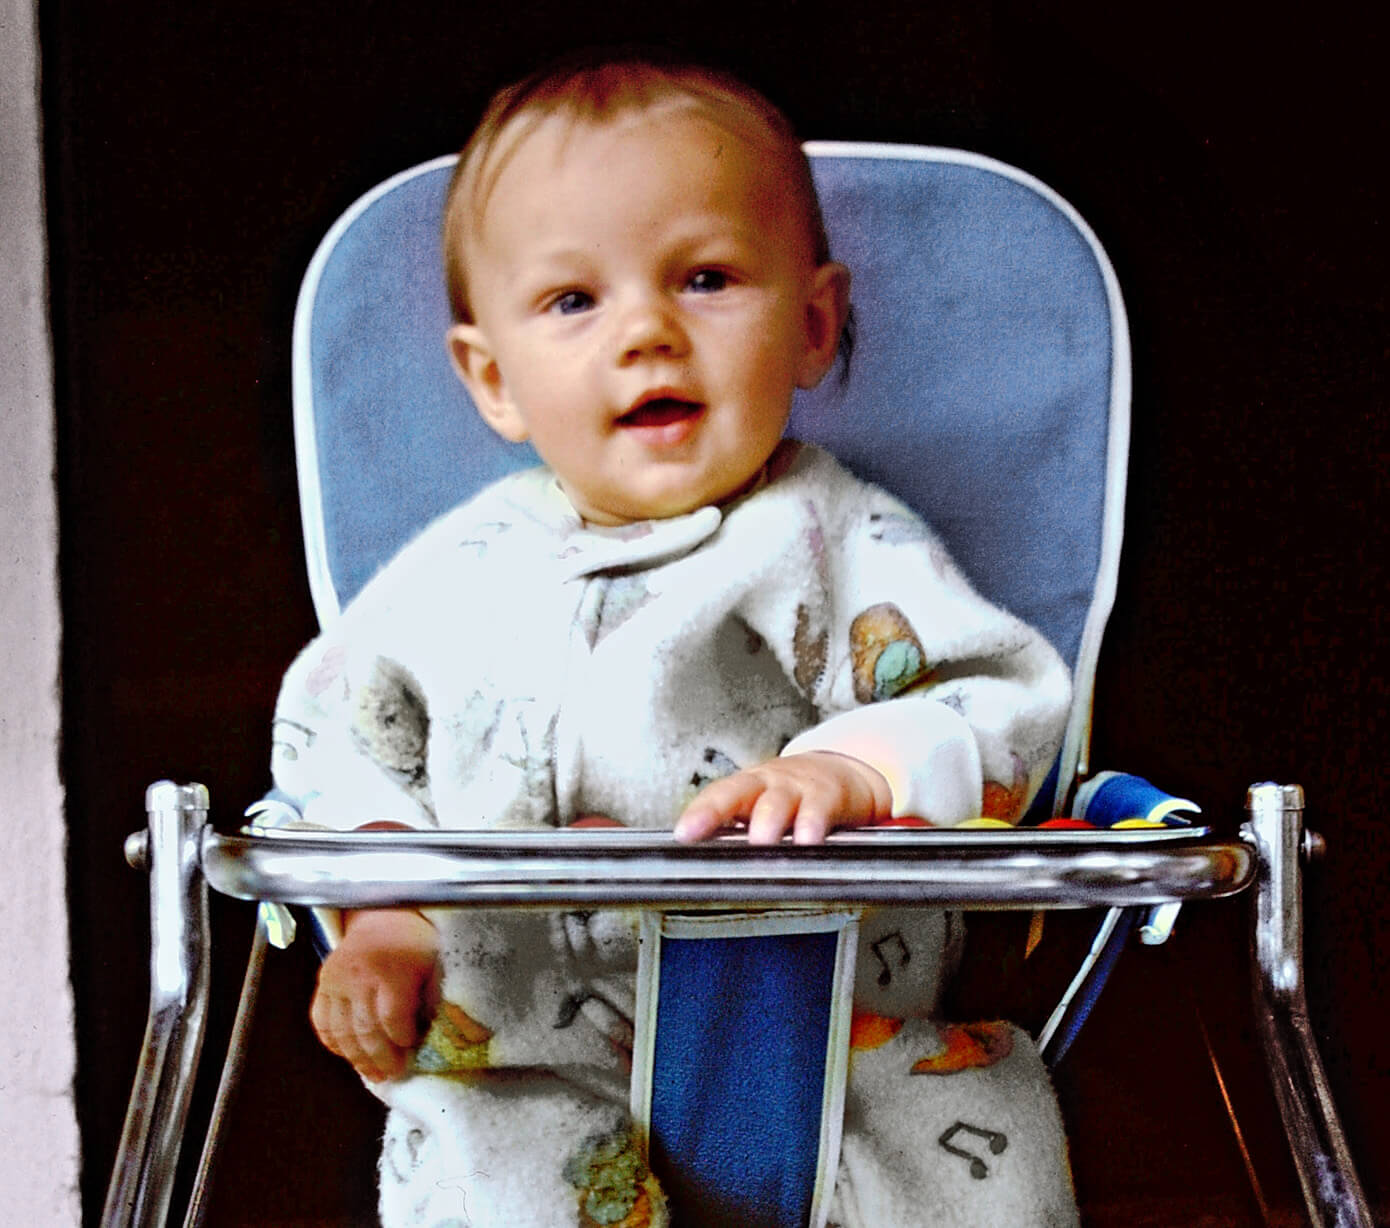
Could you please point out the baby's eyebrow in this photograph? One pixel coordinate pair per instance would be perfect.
(560, 256)
(719, 245)
(551, 271)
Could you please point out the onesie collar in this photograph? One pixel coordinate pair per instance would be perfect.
(584, 549)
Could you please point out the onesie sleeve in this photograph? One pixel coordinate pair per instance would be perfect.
(351, 725)
(959, 704)
(925, 751)
(348, 735)
(348, 739)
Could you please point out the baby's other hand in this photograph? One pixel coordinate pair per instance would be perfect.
(372, 990)
(807, 793)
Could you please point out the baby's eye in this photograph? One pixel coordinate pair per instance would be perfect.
(707, 281)
(571, 302)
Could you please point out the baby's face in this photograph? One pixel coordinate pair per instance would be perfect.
(646, 300)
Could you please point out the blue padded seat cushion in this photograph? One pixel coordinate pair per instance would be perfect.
(978, 392)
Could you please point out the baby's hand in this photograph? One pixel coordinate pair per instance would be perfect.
(809, 793)
(372, 990)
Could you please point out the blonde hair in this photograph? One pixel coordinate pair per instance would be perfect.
(593, 88)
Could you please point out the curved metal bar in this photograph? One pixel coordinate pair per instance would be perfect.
(142, 1178)
(984, 869)
(227, 1086)
(1331, 1188)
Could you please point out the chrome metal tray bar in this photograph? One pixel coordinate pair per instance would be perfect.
(571, 869)
(971, 869)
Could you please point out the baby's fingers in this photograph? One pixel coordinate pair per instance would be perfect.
(372, 1053)
(397, 1014)
(764, 797)
(719, 805)
(351, 1031)
(808, 793)
(332, 1021)
(774, 811)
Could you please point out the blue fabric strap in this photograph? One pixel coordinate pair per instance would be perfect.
(739, 1075)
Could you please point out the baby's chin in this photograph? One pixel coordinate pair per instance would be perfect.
(611, 514)
(671, 499)
(636, 512)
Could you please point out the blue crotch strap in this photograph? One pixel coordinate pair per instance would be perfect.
(740, 1058)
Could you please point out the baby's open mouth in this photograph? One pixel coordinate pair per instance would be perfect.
(660, 411)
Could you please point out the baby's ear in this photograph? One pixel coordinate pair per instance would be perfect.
(826, 310)
(477, 367)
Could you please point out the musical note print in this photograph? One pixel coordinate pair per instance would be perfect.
(995, 1140)
(885, 977)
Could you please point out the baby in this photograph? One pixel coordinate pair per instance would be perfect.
(683, 619)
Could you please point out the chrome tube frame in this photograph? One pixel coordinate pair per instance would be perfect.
(1331, 1188)
(577, 869)
(142, 1179)
(976, 870)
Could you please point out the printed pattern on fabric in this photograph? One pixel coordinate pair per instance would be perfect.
(514, 668)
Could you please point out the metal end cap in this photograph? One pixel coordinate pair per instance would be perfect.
(166, 795)
(1290, 796)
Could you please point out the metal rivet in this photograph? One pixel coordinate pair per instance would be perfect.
(137, 850)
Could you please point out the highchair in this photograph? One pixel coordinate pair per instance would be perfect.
(989, 389)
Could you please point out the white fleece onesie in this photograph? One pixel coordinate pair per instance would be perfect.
(514, 667)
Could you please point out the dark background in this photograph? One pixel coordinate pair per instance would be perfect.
(1229, 158)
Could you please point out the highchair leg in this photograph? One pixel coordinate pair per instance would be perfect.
(143, 1174)
(1330, 1186)
(142, 1178)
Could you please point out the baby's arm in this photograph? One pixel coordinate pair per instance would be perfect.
(913, 756)
(373, 989)
(926, 690)
(805, 793)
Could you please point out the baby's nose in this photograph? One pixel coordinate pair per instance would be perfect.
(650, 326)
